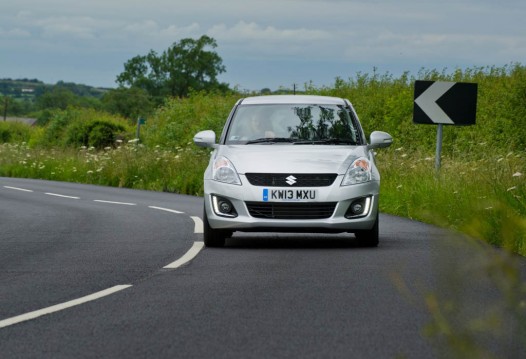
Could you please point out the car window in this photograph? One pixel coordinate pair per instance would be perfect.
(295, 124)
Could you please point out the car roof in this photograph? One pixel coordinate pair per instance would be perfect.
(292, 99)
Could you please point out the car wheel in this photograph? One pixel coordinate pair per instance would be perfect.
(213, 237)
(369, 237)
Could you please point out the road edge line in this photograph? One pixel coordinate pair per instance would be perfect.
(187, 257)
(58, 307)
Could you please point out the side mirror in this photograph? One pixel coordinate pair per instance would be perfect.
(205, 139)
(380, 139)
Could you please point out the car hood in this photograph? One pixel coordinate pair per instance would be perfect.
(292, 158)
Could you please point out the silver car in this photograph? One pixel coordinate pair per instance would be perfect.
(291, 164)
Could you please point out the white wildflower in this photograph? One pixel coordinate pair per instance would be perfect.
(517, 174)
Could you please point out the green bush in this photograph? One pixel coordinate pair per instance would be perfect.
(76, 127)
(176, 122)
(14, 132)
(104, 134)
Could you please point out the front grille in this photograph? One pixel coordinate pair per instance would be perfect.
(275, 210)
(291, 179)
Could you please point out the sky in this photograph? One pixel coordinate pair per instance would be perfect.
(263, 44)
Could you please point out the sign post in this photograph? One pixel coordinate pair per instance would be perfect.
(140, 121)
(444, 103)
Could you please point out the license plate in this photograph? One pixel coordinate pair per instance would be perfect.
(277, 195)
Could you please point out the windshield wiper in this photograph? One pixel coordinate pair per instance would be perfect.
(328, 141)
(270, 140)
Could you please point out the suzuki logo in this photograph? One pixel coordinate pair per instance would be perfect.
(290, 180)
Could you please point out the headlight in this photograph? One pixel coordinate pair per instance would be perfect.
(224, 171)
(358, 172)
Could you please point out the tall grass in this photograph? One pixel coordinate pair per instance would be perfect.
(128, 165)
(484, 198)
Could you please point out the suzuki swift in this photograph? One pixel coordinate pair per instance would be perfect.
(291, 163)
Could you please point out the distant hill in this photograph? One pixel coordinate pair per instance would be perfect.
(30, 89)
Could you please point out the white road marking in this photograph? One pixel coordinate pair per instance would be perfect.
(112, 202)
(198, 228)
(61, 195)
(18, 189)
(166, 209)
(188, 256)
(56, 308)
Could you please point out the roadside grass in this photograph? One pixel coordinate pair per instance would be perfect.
(127, 165)
(483, 197)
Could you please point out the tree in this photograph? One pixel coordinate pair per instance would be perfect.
(57, 98)
(129, 103)
(183, 66)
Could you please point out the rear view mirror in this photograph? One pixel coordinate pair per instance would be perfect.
(205, 139)
(380, 139)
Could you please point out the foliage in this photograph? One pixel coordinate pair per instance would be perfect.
(14, 132)
(485, 198)
(129, 103)
(182, 67)
(176, 122)
(386, 103)
(57, 98)
(463, 323)
(25, 96)
(127, 165)
(82, 127)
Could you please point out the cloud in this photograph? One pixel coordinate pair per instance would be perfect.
(447, 49)
(253, 40)
(251, 31)
(15, 33)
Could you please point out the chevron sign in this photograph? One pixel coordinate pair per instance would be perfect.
(446, 103)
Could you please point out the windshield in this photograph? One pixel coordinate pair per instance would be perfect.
(292, 124)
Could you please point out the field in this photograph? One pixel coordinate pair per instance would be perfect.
(480, 189)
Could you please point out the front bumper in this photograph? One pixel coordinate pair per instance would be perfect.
(337, 222)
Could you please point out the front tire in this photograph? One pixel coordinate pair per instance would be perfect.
(369, 237)
(213, 237)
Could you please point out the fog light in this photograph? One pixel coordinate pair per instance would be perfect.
(223, 207)
(359, 208)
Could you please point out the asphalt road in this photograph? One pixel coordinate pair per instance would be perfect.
(263, 296)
